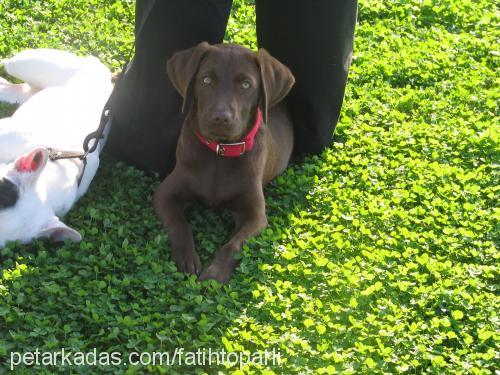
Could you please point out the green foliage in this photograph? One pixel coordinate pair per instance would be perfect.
(7, 109)
(100, 28)
(381, 254)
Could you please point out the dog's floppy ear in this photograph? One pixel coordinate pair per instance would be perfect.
(182, 67)
(28, 167)
(277, 80)
(57, 231)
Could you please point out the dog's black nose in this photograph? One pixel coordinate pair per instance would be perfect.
(222, 117)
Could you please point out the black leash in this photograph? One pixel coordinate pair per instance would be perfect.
(106, 119)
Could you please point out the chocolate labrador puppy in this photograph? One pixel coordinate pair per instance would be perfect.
(236, 137)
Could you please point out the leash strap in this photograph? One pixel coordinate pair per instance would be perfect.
(58, 155)
(61, 155)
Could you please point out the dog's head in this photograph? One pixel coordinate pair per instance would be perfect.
(25, 212)
(222, 86)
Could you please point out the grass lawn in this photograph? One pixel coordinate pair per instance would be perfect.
(381, 255)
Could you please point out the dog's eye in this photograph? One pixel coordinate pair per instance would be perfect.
(246, 85)
(207, 80)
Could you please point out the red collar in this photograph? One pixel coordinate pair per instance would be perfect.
(232, 150)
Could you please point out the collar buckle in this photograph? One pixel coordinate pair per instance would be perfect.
(221, 147)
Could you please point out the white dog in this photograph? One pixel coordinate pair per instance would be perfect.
(62, 99)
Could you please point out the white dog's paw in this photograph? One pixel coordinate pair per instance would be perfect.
(15, 93)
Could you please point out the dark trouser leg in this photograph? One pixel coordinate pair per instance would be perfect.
(146, 108)
(314, 38)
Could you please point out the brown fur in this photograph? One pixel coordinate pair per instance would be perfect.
(224, 111)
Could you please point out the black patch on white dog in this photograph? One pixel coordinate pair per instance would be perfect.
(9, 193)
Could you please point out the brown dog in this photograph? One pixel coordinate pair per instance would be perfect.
(227, 150)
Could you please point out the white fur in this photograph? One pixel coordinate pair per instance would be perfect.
(73, 91)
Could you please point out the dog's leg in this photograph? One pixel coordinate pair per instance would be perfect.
(250, 217)
(15, 93)
(170, 203)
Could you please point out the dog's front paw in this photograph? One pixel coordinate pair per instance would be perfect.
(219, 271)
(215, 272)
(187, 261)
